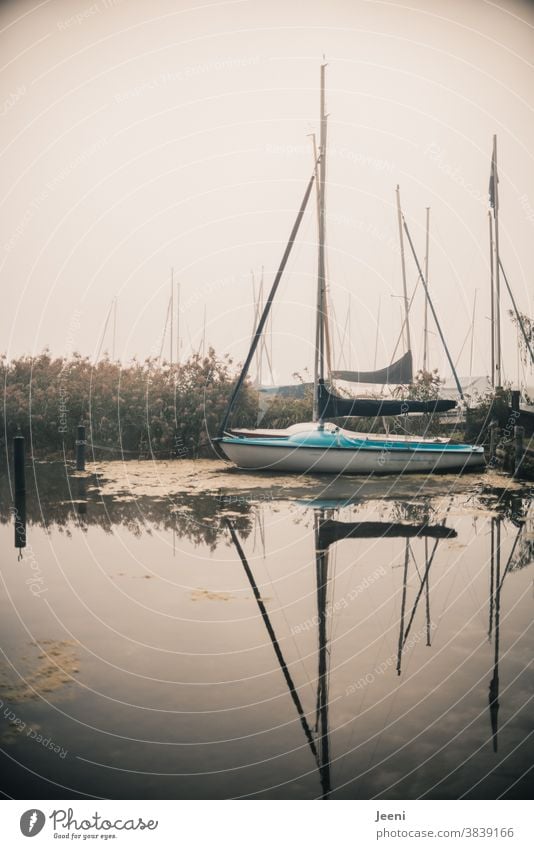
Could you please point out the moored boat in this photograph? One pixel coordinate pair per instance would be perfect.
(310, 448)
(320, 446)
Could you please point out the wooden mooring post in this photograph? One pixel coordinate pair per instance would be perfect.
(19, 473)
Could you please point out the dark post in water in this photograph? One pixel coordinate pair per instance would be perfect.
(19, 514)
(19, 452)
(80, 449)
(19, 517)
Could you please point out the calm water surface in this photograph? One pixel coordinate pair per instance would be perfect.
(371, 640)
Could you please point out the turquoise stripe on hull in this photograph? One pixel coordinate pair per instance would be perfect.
(325, 440)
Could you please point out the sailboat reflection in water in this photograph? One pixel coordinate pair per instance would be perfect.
(494, 627)
(327, 532)
(323, 447)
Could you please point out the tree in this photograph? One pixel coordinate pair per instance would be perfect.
(525, 327)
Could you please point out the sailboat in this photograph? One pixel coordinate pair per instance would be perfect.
(324, 447)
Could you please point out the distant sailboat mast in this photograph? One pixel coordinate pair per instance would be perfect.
(171, 340)
(403, 267)
(377, 332)
(178, 323)
(113, 345)
(492, 302)
(425, 330)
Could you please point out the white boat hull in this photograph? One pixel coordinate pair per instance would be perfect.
(356, 454)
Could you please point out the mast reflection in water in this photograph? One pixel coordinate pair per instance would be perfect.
(267, 643)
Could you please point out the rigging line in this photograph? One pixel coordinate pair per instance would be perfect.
(469, 330)
(255, 311)
(396, 691)
(342, 359)
(269, 362)
(268, 335)
(281, 608)
(328, 306)
(403, 606)
(385, 724)
(385, 631)
(276, 646)
(401, 334)
(341, 337)
(265, 314)
(433, 311)
(331, 311)
(262, 536)
(427, 600)
(351, 572)
(455, 573)
(400, 218)
(255, 302)
(171, 307)
(114, 329)
(517, 313)
(332, 589)
(420, 591)
(415, 563)
(509, 561)
(377, 332)
(104, 332)
(164, 331)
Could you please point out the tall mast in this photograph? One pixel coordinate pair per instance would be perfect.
(403, 266)
(263, 347)
(321, 265)
(492, 302)
(494, 201)
(425, 334)
(178, 322)
(114, 329)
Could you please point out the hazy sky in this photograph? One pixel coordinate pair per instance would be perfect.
(140, 136)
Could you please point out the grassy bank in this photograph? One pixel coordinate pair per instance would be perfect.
(156, 409)
(140, 407)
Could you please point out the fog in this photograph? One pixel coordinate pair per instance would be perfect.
(144, 136)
